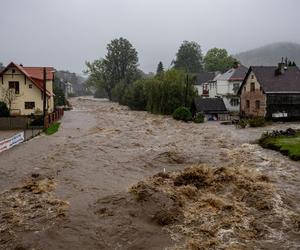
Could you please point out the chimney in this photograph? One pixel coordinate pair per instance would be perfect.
(280, 69)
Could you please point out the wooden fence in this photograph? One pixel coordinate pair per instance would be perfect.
(13, 123)
(53, 117)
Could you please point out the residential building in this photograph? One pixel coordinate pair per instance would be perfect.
(25, 86)
(271, 92)
(202, 83)
(213, 108)
(226, 86)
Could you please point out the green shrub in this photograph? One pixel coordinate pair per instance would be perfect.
(53, 128)
(182, 114)
(199, 118)
(242, 123)
(4, 111)
(135, 96)
(257, 122)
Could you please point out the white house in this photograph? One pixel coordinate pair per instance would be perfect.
(203, 79)
(227, 85)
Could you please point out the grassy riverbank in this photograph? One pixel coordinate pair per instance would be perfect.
(287, 145)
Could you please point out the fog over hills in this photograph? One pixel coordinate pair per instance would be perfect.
(270, 54)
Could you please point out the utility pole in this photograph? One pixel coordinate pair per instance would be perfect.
(186, 90)
(44, 93)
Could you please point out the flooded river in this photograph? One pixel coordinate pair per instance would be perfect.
(100, 151)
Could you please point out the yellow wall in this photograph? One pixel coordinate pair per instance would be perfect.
(27, 94)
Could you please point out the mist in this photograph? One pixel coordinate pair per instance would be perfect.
(66, 33)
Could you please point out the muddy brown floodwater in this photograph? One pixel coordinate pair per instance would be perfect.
(70, 190)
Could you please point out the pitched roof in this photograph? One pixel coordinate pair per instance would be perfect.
(204, 77)
(239, 73)
(34, 74)
(288, 82)
(233, 74)
(210, 105)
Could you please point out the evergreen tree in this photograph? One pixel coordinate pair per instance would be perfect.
(160, 69)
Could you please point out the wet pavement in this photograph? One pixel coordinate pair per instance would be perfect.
(102, 149)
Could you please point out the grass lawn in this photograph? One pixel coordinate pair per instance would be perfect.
(53, 128)
(287, 145)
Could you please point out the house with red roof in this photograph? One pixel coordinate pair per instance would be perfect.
(25, 85)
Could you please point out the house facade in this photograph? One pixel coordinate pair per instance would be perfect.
(226, 86)
(202, 83)
(271, 92)
(22, 89)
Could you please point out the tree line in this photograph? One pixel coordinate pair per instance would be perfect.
(118, 77)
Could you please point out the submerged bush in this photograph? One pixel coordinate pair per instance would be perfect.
(182, 114)
(242, 123)
(257, 122)
(199, 118)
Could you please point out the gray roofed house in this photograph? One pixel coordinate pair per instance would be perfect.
(271, 92)
(204, 77)
(212, 108)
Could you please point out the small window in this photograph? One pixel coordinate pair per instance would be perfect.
(30, 86)
(29, 105)
(234, 102)
(13, 71)
(252, 86)
(247, 104)
(252, 76)
(257, 104)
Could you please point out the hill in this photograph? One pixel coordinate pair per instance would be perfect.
(270, 54)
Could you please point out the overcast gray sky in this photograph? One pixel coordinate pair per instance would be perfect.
(66, 33)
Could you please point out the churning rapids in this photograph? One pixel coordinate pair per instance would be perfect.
(70, 190)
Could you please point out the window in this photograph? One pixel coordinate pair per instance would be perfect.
(247, 104)
(13, 71)
(234, 102)
(29, 105)
(257, 104)
(252, 76)
(30, 86)
(252, 86)
(16, 86)
(236, 87)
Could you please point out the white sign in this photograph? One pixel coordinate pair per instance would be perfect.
(279, 115)
(11, 142)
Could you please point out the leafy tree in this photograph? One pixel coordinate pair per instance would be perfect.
(166, 94)
(119, 64)
(160, 69)
(218, 60)
(59, 98)
(4, 111)
(8, 96)
(189, 57)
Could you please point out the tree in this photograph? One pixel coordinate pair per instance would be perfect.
(160, 69)
(59, 98)
(119, 65)
(4, 111)
(8, 95)
(218, 60)
(189, 57)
